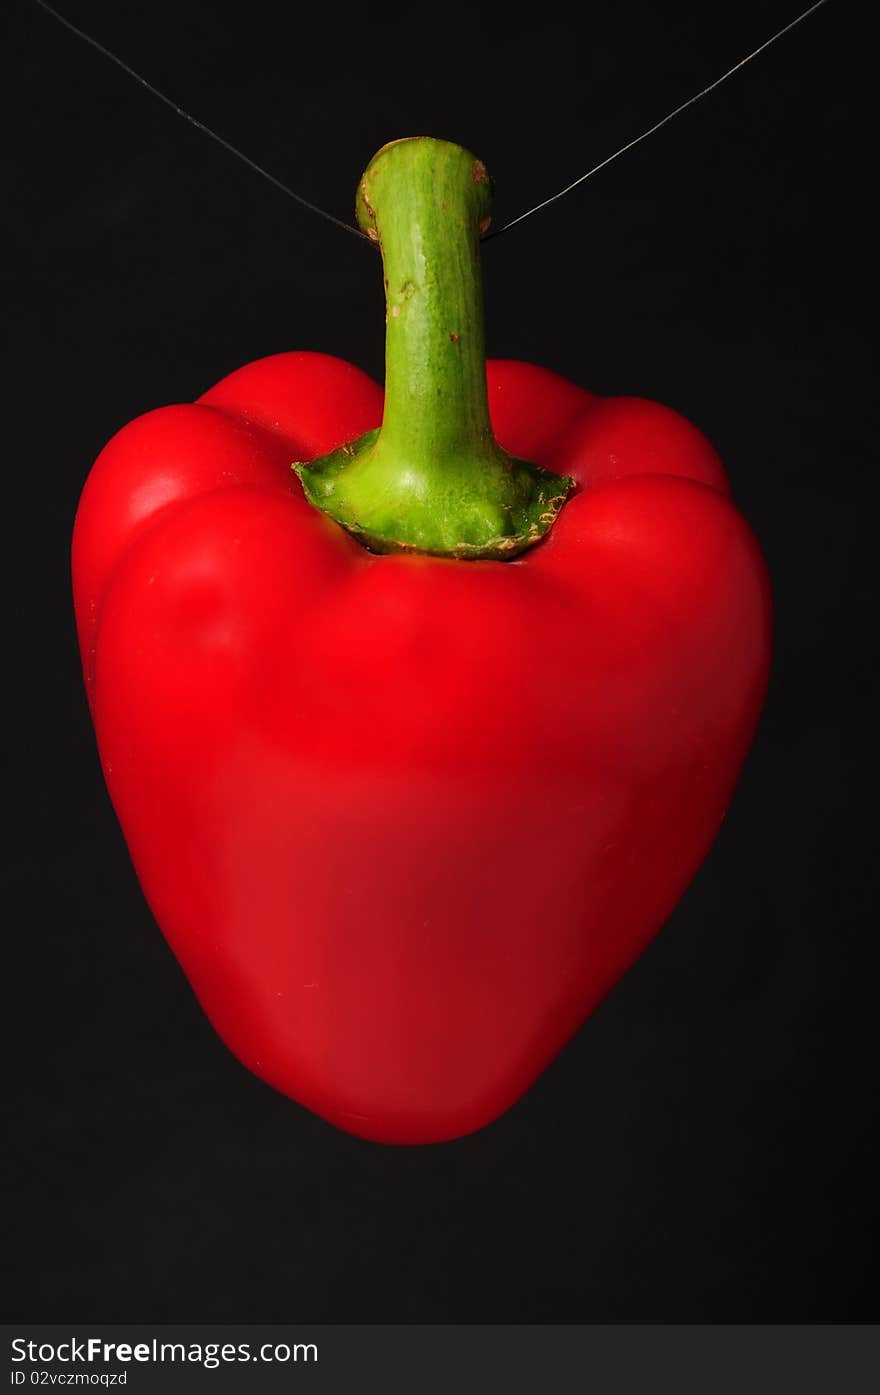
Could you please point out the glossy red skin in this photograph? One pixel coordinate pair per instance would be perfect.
(404, 821)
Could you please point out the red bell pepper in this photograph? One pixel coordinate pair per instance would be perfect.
(405, 811)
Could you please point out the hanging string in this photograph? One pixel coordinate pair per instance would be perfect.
(200, 125)
(657, 125)
(349, 227)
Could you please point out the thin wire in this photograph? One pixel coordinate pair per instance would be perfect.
(656, 127)
(200, 126)
(349, 227)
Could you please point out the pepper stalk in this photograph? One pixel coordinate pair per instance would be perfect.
(433, 479)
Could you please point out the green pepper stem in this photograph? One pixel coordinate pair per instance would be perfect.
(431, 202)
(433, 479)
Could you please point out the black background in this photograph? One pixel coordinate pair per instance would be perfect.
(700, 1152)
